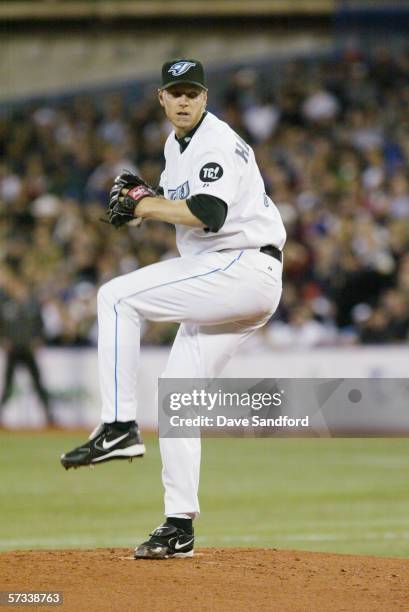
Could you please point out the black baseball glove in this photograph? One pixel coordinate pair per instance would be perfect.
(121, 208)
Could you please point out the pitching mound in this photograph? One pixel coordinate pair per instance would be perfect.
(215, 579)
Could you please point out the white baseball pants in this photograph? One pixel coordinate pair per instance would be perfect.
(220, 299)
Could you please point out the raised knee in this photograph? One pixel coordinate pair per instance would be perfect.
(106, 293)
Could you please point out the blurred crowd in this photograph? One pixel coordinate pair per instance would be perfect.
(331, 137)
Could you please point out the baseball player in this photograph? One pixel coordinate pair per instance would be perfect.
(225, 285)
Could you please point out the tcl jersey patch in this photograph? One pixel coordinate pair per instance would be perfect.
(211, 172)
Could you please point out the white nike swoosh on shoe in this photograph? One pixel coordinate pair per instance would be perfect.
(179, 546)
(106, 445)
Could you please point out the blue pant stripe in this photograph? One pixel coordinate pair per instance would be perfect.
(116, 362)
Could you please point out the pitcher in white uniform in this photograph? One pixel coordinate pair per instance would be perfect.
(225, 285)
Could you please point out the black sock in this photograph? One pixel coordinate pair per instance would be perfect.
(181, 523)
(123, 425)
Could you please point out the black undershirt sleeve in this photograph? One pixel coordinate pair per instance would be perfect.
(210, 210)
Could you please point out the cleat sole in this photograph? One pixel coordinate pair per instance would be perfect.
(68, 466)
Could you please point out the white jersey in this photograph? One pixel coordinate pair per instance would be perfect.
(218, 162)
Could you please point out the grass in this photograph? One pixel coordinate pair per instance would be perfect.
(335, 495)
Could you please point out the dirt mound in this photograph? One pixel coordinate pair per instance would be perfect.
(238, 579)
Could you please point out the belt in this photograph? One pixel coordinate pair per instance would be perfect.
(273, 252)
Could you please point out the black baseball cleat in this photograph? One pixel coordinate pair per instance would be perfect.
(165, 542)
(108, 441)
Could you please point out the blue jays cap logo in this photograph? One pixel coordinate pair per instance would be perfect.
(180, 68)
(183, 70)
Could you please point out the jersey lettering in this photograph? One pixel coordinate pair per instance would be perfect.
(211, 172)
(243, 150)
(180, 193)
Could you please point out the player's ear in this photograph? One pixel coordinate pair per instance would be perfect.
(160, 97)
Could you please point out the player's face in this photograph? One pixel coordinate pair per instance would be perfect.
(184, 105)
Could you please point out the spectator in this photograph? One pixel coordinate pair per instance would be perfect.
(302, 331)
(20, 335)
(331, 139)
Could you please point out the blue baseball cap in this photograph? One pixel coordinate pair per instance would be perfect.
(183, 71)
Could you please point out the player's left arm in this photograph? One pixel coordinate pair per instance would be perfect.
(158, 208)
(132, 200)
(213, 185)
(170, 211)
(200, 210)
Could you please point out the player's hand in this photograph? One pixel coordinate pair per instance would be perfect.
(126, 193)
